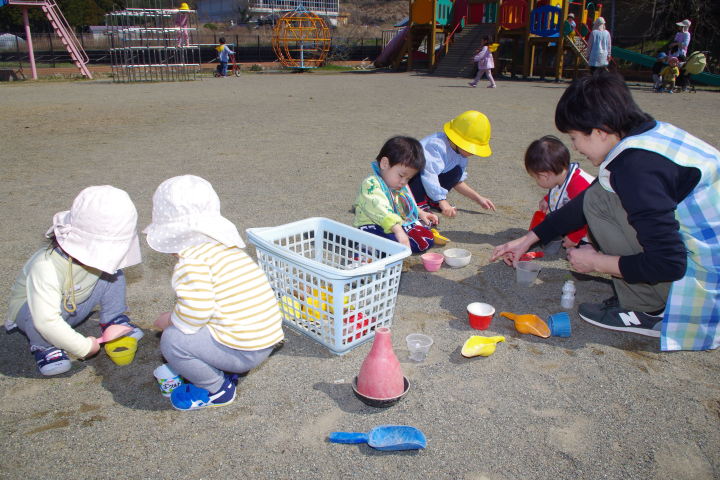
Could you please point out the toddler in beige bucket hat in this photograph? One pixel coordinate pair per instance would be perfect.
(81, 269)
(226, 318)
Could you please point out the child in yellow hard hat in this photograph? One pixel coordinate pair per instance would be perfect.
(182, 21)
(446, 157)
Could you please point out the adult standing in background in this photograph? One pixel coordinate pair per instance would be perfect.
(600, 45)
(681, 41)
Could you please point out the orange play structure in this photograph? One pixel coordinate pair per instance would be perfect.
(533, 34)
(301, 39)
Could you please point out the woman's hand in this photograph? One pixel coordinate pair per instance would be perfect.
(513, 250)
(163, 321)
(583, 259)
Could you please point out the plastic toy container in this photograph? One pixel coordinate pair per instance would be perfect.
(334, 283)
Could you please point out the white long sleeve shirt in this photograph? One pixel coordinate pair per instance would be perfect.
(439, 158)
(41, 284)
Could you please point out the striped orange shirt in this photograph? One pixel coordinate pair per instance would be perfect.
(222, 288)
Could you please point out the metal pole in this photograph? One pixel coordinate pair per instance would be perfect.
(52, 51)
(28, 39)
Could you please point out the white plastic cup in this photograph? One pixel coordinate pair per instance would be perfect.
(419, 346)
(527, 272)
(167, 379)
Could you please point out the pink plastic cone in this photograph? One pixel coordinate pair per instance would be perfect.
(380, 374)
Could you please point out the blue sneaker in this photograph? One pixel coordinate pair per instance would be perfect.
(51, 361)
(190, 397)
(137, 334)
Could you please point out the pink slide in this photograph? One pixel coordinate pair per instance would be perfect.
(391, 48)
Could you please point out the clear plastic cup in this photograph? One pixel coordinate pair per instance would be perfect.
(419, 346)
(527, 272)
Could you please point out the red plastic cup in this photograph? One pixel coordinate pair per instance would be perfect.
(480, 315)
(537, 218)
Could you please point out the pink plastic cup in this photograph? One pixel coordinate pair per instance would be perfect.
(480, 315)
(432, 261)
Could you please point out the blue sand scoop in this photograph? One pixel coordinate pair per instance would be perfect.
(384, 437)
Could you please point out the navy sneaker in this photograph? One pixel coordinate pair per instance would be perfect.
(613, 317)
(137, 333)
(190, 397)
(51, 361)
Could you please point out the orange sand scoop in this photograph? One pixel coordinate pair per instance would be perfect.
(528, 323)
(480, 346)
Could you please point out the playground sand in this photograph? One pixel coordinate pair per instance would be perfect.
(280, 148)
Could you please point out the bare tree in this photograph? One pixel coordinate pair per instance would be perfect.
(704, 15)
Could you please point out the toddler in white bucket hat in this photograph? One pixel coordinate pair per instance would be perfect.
(226, 318)
(61, 284)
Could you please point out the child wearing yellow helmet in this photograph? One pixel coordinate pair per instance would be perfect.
(182, 22)
(446, 157)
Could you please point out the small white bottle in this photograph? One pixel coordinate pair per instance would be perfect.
(568, 295)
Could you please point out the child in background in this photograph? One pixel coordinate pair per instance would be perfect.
(385, 205)
(657, 67)
(484, 59)
(226, 318)
(61, 284)
(224, 53)
(547, 160)
(669, 74)
(446, 157)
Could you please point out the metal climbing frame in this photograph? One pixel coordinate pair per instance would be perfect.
(153, 40)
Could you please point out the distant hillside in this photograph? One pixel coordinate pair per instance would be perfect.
(374, 13)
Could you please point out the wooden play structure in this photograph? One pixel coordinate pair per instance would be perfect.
(534, 35)
(61, 27)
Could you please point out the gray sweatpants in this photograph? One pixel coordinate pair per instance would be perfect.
(613, 235)
(108, 294)
(202, 360)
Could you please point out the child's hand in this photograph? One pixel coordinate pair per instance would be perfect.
(400, 235)
(428, 218)
(94, 349)
(486, 203)
(403, 239)
(447, 209)
(163, 321)
(543, 205)
(567, 243)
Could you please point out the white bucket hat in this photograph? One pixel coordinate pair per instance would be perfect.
(99, 230)
(186, 212)
(684, 23)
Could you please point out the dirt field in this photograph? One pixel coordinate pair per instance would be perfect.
(283, 147)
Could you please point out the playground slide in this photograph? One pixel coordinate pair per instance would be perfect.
(391, 49)
(648, 61)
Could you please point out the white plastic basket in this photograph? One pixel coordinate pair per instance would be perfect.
(334, 283)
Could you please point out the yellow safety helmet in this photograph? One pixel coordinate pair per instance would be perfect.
(471, 132)
(184, 6)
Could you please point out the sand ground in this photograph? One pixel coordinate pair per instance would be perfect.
(283, 147)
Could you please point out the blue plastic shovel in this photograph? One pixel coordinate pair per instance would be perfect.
(384, 437)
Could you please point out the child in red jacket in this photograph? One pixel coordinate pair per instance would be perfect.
(547, 160)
